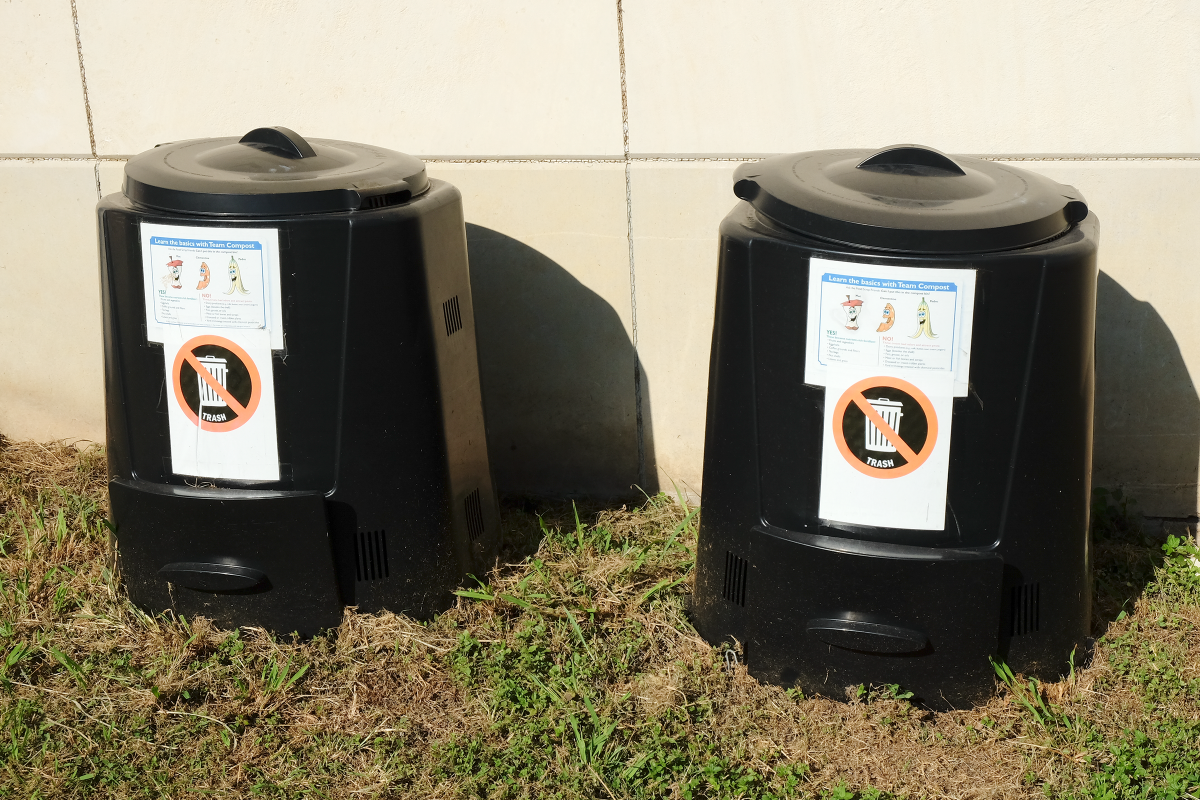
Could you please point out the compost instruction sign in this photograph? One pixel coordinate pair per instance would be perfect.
(211, 279)
(905, 320)
(892, 347)
(213, 302)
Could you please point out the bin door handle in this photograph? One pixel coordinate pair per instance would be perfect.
(279, 140)
(205, 577)
(911, 159)
(868, 637)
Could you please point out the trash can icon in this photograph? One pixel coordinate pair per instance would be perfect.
(891, 411)
(218, 368)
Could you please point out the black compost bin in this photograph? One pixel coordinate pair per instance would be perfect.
(292, 386)
(898, 455)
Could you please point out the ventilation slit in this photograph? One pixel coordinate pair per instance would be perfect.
(383, 559)
(453, 316)
(372, 555)
(368, 542)
(372, 563)
(384, 200)
(1036, 613)
(474, 512)
(375, 566)
(360, 559)
(1025, 616)
(381, 569)
(735, 579)
(725, 588)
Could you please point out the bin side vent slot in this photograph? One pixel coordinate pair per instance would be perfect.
(453, 316)
(372, 555)
(1025, 608)
(384, 200)
(735, 578)
(474, 509)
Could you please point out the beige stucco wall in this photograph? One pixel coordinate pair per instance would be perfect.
(594, 145)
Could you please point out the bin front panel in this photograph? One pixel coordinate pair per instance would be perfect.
(237, 557)
(825, 619)
(307, 373)
(985, 424)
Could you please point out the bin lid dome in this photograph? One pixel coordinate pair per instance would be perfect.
(269, 172)
(909, 198)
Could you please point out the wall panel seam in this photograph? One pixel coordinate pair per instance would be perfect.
(633, 158)
(87, 105)
(637, 362)
(54, 157)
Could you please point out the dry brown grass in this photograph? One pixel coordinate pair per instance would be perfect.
(584, 628)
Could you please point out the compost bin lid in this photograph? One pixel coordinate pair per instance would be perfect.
(909, 198)
(271, 171)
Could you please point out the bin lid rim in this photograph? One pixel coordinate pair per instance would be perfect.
(909, 198)
(270, 171)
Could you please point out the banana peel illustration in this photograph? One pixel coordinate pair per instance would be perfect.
(924, 324)
(235, 278)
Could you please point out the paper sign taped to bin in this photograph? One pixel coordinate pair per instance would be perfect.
(885, 452)
(211, 278)
(906, 320)
(221, 405)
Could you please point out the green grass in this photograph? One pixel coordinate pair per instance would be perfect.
(570, 672)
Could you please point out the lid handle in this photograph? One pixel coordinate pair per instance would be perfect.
(911, 159)
(1076, 209)
(280, 140)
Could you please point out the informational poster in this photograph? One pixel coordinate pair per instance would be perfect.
(911, 319)
(209, 278)
(212, 301)
(892, 347)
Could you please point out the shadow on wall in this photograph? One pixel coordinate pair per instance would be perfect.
(1147, 429)
(557, 369)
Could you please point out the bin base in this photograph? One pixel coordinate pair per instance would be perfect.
(253, 558)
(825, 613)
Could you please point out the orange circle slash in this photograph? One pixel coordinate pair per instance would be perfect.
(855, 395)
(187, 354)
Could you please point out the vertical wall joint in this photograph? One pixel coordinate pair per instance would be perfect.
(637, 363)
(87, 104)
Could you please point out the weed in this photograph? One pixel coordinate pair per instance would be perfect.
(278, 676)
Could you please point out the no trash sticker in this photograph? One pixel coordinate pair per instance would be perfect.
(885, 427)
(216, 383)
(885, 453)
(222, 419)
